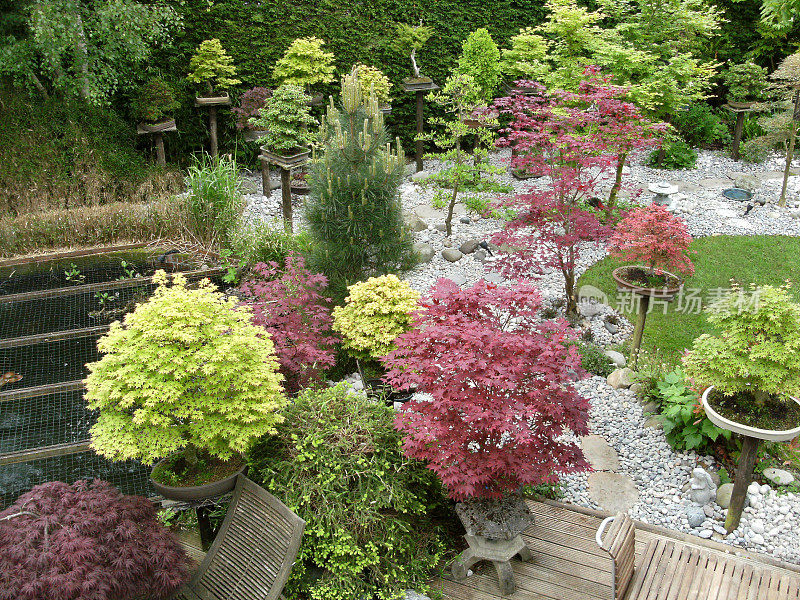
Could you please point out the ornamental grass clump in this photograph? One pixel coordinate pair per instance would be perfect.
(499, 379)
(374, 314)
(653, 236)
(754, 360)
(185, 371)
(87, 541)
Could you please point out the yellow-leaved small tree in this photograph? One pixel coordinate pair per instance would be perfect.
(186, 370)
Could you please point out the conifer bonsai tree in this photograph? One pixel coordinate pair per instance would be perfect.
(305, 63)
(353, 208)
(480, 59)
(212, 67)
(185, 372)
(286, 118)
(155, 101)
(410, 39)
(87, 541)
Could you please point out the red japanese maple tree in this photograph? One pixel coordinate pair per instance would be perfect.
(86, 541)
(499, 380)
(654, 236)
(289, 303)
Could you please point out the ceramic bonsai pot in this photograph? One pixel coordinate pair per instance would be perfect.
(198, 492)
(419, 84)
(385, 109)
(772, 435)
(222, 99)
(664, 293)
(378, 387)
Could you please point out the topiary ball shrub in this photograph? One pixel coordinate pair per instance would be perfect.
(86, 541)
(375, 313)
(336, 461)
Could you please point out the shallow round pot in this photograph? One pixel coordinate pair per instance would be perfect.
(157, 127)
(197, 492)
(222, 99)
(662, 293)
(772, 435)
(741, 105)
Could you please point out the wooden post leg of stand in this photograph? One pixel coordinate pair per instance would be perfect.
(265, 187)
(160, 156)
(744, 475)
(737, 135)
(286, 197)
(204, 525)
(638, 330)
(212, 127)
(420, 122)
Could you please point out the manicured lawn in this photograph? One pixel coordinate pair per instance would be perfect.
(719, 259)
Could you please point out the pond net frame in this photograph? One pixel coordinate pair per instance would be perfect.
(53, 309)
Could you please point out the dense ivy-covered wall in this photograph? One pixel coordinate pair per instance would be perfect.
(256, 34)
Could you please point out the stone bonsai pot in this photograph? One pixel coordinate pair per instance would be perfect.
(195, 493)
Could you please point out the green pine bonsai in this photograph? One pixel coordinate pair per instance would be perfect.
(756, 352)
(305, 63)
(286, 118)
(185, 371)
(410, 39)
(212, 66)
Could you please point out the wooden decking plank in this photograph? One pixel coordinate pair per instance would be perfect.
(565, 516)
(486, 580)
(549, 522)
(576, 580)
(726, 587)
(745, 582)
(568, 553)
(680, 564)
(653, 566)
(465, 590)
(583, 544)
(697, 563)
(755, 585)
(793, 588)
(560, 565)
(661, 572)
(642, 572)
(712, 579)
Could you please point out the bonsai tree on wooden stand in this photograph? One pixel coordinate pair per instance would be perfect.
(747, 85)
(788, 75)
(286, 118)
(154, 105)
(499, 378)
(212, 67)
(306, 64)
(752, 373)
(410, 39)
(658, 238)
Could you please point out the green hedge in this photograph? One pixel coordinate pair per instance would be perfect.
(257, 34)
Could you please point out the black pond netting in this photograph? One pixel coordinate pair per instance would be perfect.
(52, 312)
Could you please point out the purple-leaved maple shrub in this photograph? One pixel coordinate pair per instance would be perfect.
(288, 301)
(86, 541)
(499, 380)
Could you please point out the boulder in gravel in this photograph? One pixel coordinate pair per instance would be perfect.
(591, 309)
(416, 224)
(616, 357)
(724, 495)
(452, 254)
(695, 515)
(747, 182)
(420, 176)
(415, 595)
(636, 388)
(469, 246)
(479, 255)
(424, 251)
(778, 476)
(621, 378)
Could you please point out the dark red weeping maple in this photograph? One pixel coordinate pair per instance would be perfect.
(499, 378)
(86, 541)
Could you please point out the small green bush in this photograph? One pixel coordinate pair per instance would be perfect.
(305, 64)
(701, 126)
(212, 66)
(336, 461)
(677, 155)
(215, 201)
(594, 360)
(685, 424)
(480, 59)
(373, 81)
(267, 242)
(477, 204)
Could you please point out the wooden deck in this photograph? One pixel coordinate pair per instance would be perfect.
(568, 565)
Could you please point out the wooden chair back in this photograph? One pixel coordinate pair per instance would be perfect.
(619, 541)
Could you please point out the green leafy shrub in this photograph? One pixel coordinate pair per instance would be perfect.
(353, 208)
(267, 242)
(212, 66)
(373, 81)
(685, 424)
(701, 126)
(215, 201)
(677, 155)
(746, 81)
(286, 118)
(477, 204)
(155, 101)
(375, 313)
(185, 370)
(480, 59)
(336, 461)
(305, 64)
(526, 57)
(594, 360)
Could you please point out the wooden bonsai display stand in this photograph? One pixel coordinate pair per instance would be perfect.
(286, 164)
(420, 88)
(737, 132)
(157, 131)
(212, 102)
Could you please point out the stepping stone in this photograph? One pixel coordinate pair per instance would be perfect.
(612, 491)
(736, 174)
(458, 278)
(726, 213)
(740, 223)
(432, 215)
(714, 184)
(763, 176)
(778, 476)
(687, 187)
(493, 278)
(600, 455)
(419, 176)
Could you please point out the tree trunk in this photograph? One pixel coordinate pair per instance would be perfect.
(37, 83)
(448, 222)
(82, 58)
(190, 455)
(569, 289)
(790, 151)
(744, 475)
(612, 197)
(212, 127)
(414, 62)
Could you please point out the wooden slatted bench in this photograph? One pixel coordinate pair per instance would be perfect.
(673, 571)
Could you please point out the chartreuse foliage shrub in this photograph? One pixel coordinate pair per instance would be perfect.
(87, 541)
(374, 314)
(373, 81)
(526, 57)
(480, 59)
(336, 461)
(185, 368)
(212, 66)
(353, 209)
(685, 425)
(305, 64)
(758, 348)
